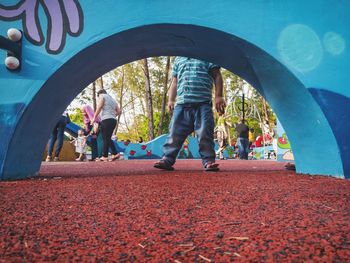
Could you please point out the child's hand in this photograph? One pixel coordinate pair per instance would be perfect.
(95, 128)
(171, 105)
(220, 104)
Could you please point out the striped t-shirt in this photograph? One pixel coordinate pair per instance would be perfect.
(194, 83)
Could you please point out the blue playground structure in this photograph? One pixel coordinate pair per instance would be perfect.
(72, 129)
(295, 53)
(149, 150)
(153, 149)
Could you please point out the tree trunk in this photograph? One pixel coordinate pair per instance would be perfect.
(265, 112)
(165, 90)
(120, 102)
(94, 103)
(132, 95)
(149, 103)
(101, 82)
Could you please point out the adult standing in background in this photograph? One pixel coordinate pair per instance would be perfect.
(57, 134)
(109, 110)
(251, 137)
(221, 135)
(93, 129)
(242, 139)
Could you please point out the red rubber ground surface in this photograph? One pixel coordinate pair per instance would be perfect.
(127, 211)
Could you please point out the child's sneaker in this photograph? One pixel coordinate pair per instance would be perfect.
(48, 159)
(211, 167)
(55, 159)
(115, 157)
(161, 164)
(290, 166)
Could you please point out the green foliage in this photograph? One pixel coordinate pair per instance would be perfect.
(254, 110)
(77, 117)
(166, 121)
(140, 127)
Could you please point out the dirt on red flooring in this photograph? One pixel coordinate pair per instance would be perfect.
(126, 211)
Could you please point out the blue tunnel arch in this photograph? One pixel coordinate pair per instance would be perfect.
(293, 54)
(235, 54)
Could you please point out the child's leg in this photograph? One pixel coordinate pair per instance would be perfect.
(180, 127)
(80, 158)
(204, 128)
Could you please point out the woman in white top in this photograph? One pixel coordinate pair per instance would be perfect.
(109, 110)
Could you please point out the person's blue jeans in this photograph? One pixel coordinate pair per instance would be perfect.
(99, 141)
(243, 149)
(97, 146)
(96, 141)
(57, 134)
(188, 118)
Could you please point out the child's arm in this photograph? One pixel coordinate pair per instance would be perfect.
(172, 94)
(94, 129)
(100, 104)
(220, 103)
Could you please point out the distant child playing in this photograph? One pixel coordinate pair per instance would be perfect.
(80, 145)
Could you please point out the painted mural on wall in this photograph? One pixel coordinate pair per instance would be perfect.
(284, 150)
(280, 144)
(154, 149)
(262, 153)
(65, 17)
(185, 152)
(230, 152)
